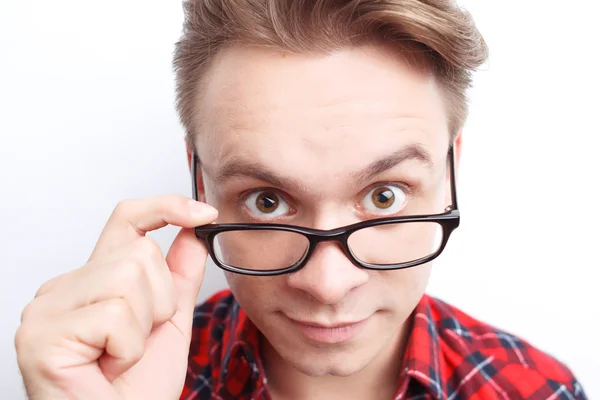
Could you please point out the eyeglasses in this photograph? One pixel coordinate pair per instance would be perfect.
(378, 244)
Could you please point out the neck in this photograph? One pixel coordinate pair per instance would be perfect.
(377, 380)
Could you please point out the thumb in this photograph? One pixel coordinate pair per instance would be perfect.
(187, 260)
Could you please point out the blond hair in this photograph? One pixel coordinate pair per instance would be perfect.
(444, 35)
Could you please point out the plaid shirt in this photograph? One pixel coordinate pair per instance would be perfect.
(449, 356)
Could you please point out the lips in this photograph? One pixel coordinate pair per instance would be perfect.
(331, 333)
(325, 326)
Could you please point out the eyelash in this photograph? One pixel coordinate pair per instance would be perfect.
(244, 196)
(406, 187)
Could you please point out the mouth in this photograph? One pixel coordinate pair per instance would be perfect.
(329, 333)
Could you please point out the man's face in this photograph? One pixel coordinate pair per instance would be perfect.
(307, 141)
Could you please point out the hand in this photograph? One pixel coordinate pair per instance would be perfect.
(120, 326)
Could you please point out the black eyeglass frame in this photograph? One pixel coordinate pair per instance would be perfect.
(448, 220)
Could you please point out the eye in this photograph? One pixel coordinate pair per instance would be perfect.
(384, 199)
(266, 204)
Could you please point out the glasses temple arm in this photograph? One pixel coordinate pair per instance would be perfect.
(451, 159)
(194, 172)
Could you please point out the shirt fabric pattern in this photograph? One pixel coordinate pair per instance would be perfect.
(449, 356)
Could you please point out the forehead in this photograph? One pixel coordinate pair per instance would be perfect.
(351, 105)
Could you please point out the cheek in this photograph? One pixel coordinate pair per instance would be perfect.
(404, 288)
(256, 295)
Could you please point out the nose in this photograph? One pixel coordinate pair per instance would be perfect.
(328, 275)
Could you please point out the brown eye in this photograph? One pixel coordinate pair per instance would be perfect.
(383, 197)
(267, 202)
(384, 200)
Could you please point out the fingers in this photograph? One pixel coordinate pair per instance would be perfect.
(132, 219)
(112, 325)
(187, 261)
(49, 285)
(136, 272)
(87, 327)
(107, 330)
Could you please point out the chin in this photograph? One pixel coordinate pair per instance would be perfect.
(317, 367)
(315, 359)
(334, 360)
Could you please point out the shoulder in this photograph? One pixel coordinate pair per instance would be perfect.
(511, 364)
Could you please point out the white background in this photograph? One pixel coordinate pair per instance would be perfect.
(87, 119)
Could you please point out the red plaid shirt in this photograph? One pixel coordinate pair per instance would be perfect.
(449, 356)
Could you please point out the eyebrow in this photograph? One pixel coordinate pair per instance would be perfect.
(412, 152)
(240, 168)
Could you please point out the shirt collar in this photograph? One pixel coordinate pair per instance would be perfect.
(241, 369)
(422, 361)
(241, 366)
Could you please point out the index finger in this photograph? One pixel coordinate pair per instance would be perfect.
(132, 219)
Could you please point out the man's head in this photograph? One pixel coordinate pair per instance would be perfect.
(290, 105)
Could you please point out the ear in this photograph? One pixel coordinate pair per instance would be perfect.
(457, 154)
(199, 178)
(457, 149)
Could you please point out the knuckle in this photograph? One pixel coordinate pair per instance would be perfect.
(122, 208)
(45, 288)
(118, 311)
(176, 205)
(172, 305)
(148, 248)
(134, 351)
(165, 303)
(29, 311)
(131, 272)
(31, 354)
(166, 309)
(49, 285)
(176, 199)
(41, 361)
(171, 302)
(136, 348)
(24, 337)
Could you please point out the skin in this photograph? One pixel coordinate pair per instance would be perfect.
(315, 123)
(99, 331)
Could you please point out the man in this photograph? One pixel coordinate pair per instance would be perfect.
(326, 134)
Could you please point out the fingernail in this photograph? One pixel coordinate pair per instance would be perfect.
(199, 209)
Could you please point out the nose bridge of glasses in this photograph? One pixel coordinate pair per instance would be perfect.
(338, 235)
(327, 244)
